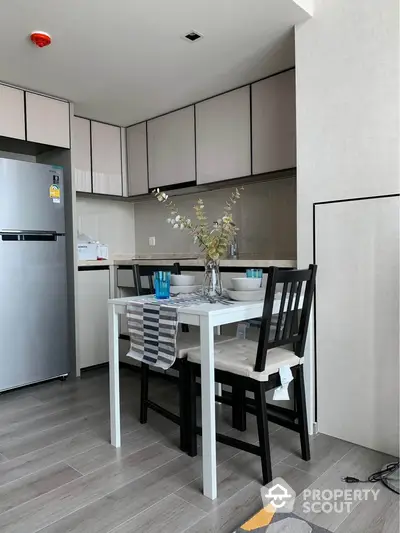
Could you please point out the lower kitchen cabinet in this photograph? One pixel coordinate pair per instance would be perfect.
(92, 322)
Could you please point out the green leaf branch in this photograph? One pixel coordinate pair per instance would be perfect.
(212, 238)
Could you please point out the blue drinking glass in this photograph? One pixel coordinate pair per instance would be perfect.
(162, 281)
(250, 273)
(255, 273)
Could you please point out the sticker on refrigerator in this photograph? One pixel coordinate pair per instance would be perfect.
(55, 193)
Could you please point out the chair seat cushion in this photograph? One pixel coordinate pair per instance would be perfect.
(191, 340)
(238, 356)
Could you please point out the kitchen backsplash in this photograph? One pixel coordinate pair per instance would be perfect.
(108, 221)
(265, 214)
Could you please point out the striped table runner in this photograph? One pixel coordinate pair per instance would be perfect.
(153, 327)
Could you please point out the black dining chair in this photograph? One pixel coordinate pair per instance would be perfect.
(250, 366)
(186, 339)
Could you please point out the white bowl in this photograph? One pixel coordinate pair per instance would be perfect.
(246, 296)
(183, 289)
(246, 284)
(182, 279)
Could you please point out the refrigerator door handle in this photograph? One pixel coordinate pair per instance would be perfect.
(29, 235)
(26, 231)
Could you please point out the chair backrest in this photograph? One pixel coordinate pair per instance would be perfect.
(147, 272)
(297, 288)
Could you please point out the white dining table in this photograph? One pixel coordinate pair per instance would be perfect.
(206, 316)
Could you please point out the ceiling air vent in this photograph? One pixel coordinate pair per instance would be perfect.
(193, 36)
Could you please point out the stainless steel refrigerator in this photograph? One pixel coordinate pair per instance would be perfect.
(33, 274)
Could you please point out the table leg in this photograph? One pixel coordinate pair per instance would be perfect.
(208, 408)
(115, 421)
(218, 386)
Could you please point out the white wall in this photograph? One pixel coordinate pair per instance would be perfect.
(111, 222)
(347, 70)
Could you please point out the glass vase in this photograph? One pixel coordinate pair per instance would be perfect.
(212, 283)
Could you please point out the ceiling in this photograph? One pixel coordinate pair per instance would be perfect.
(122, 61)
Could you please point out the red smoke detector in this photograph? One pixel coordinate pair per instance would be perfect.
(40, 38)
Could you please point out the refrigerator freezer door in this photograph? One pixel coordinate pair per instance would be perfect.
(31, 196)
(33, 314)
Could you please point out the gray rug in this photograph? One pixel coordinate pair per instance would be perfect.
(287, 523)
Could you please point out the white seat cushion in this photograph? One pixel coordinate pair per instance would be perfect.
(238, 356)
(190, 340)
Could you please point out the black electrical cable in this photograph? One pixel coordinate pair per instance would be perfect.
(381, 475)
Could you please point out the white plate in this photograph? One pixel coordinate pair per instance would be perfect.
(183, 289)
(246, 296)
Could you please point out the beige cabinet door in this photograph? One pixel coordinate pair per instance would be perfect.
(274, 123)
(106, 159)
(92, 325)
(12, 114)
(136, 142)
(171, 148)
(223, 137)
(81, 156)
(47, 120)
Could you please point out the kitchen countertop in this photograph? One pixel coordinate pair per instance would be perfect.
(245, 260)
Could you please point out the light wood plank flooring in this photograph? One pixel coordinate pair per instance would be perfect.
(59, 474)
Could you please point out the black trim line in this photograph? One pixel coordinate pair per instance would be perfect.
(120, 156)
(91, 154)
(69, 125)
(94, 267)
(25, 118)
(251, 128)
(33, 91)
(105, 195)
(177, 186)
(357, 198)
(101, 121)
(147, 156)
(195, 143)
(315, 320)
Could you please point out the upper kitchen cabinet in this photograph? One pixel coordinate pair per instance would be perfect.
(106, 159)
(137, 159)
(223, 137)
(274, 123)
(81, 154)
(12, 114)
(47, 120)
(171, 148)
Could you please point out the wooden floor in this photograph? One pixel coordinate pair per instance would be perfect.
(59, 474)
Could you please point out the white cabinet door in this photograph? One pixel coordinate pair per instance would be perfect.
(12, 113)
(47, 120)
(92, 323)
(223, 137)
(106, 159)
(274, 123)
(137, 159)
(357, 321)
(81, 154)
(171, 148)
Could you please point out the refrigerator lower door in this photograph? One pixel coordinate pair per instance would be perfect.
(33, 314)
